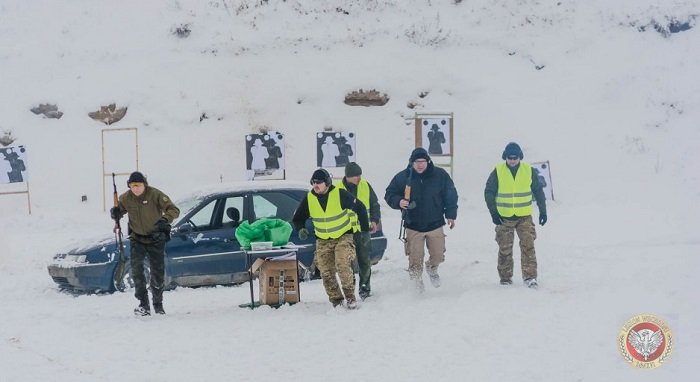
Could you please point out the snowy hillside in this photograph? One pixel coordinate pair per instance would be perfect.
(606, 91)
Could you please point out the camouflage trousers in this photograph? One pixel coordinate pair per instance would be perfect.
(414, 248)
(155, 254)
(336, 256)
(505, 234)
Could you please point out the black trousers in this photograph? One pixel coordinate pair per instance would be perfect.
(155, 253)
(363, 248)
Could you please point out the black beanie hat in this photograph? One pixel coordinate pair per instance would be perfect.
(512, 149)
(136, 177)
(353, 169)
(419, 153)
(322, 175)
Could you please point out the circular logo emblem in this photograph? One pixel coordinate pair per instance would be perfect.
(645, 341)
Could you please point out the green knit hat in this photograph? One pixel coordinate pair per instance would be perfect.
(352, 169)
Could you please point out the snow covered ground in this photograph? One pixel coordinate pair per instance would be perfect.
(577, 83)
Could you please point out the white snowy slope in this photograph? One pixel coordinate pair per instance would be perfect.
(592, 86)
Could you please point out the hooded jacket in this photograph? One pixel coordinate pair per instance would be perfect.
(434, 193)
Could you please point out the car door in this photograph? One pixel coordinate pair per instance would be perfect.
(281, 204)
(209, 253)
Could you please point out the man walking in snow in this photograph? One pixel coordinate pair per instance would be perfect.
(363, 191)
(432, 199)
(328, 207)
(150, 214)
(509, 192)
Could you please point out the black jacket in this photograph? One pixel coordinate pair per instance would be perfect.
(492, 189)
(347, 201)
(434, 193)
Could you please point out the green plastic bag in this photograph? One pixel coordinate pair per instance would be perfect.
(277, 231)
(247, 233)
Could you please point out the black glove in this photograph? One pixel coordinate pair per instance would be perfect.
(303, 234)
(162, 225)
(160, 236)
(496, 218)
(543, 218)
(115, 213)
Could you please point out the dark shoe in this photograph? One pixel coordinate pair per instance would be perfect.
(435, 280)
(531, 283)
(364, 292)
(433, 273)
(141, 311)
(337, 303)
(420, 287)
(349, 294)
(506, 282)
(158, 308)
(144, 308)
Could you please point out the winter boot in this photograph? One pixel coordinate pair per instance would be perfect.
(364, 291)
(506, 282)
(144, 308)
(350, 297)
(434, 276)
(337, 302)
(531, 283)
(158, 308)
(420, 287)
(435, 280)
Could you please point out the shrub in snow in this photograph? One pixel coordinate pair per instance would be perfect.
(427, 33)
(6, 138)
(666, 18)
(368, 98)
(182, 31)
(108, 114)
(49, 111)
(413, 105)
(669, 26)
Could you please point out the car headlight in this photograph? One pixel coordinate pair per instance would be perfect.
(76, 258)
(70, 258)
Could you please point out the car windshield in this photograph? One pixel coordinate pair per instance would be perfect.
(186, 204)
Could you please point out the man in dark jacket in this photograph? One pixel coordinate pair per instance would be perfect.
(426, 196)
(363, 191)
(328, 206)
(150, 214)
(509, 192)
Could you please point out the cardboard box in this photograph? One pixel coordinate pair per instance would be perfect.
(278, 279)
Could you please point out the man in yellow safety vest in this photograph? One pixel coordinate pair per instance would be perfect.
(509, 193)
(328, 207)
(363, 191)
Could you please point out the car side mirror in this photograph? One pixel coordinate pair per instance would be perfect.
(184, 229)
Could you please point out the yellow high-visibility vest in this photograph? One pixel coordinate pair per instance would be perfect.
(363, 196)
(334, 221)
(514, 196)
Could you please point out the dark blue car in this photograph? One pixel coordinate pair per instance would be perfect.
(203, 249)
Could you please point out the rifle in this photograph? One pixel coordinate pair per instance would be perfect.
(411, 204)
(120, 270)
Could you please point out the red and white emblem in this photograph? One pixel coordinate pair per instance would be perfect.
(645, 341)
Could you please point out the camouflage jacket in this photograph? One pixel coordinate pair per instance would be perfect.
(145, 210)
